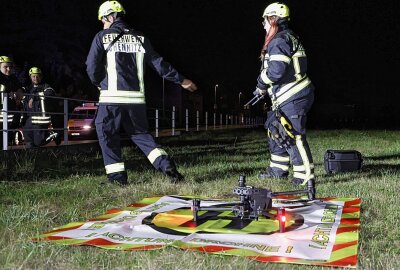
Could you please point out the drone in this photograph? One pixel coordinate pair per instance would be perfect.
(256, 202)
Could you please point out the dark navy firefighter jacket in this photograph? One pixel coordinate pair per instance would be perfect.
(284, 68)
(119, 73)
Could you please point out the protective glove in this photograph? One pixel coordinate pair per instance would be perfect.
(189, 85)
(259, 92)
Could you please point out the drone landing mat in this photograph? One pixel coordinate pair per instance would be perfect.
(324, 232)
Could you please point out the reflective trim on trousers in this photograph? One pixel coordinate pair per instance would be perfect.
(300, 168)
(279, 166)
(280, 158)
(304, 158)
(155, 153)
(116, 167)
(303, 176)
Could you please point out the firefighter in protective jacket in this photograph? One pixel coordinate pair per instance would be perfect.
(115, 64)
(36, 120)
(283, 78)
(9, 85)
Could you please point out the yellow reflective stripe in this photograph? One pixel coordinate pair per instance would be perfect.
(304, 157)
(155, 153)
(280, 57)
(296, 66)
(280, 166)
(303, 176)
(41, 96)
(300, 168)
(280, 158)
(112, 72)
(265, 78)
(121, 93)
(40, 122)
(300, 54)
(116, 167)
(41, 119)
(124, 100)
(121, 96)
(140, 73)
(292, 91)
(9, 116)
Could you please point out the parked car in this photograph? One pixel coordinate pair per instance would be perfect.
(81, 122)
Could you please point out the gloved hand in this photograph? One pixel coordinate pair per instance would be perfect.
(189, 85)
(259, 92)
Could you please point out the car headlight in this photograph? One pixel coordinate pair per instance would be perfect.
(86, 127)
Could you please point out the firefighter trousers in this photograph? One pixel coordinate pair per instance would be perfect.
(298, 153)
(34, 135)
(111, 121)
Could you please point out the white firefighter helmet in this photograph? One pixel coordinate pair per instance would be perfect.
(109, 7)
(278, 9)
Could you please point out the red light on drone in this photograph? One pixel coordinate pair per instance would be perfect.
(283, 218)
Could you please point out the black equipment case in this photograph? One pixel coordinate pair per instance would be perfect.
(342, 161)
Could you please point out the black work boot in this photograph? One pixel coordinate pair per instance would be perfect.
(268, 173)
(297, 181)
(173, 174)
(57, 139)
(120, 178)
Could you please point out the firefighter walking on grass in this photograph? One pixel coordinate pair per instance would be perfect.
(115, 64)
(283, 77)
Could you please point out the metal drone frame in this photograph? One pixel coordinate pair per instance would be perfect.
(255, 202)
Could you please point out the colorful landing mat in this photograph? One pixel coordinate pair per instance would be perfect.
(324, 232)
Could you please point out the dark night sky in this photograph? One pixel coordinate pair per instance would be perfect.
(351, 45)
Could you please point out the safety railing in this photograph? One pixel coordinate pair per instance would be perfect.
(172, 125)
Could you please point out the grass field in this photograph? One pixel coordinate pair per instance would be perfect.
(45, 189)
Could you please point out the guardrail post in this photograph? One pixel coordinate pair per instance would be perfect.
(197, 120)
(156, 123)
(173, 120)
(5, 121)
(206, 120)
(187, 120)
(220, 119)
(65, 121)
(214, 119)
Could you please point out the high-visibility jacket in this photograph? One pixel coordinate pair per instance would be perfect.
(119, 72)
(9, 85)
(284, 68)
(37, 112)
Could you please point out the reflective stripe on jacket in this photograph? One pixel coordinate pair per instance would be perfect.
(284, 68)
(119, 72)
(38, 110)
